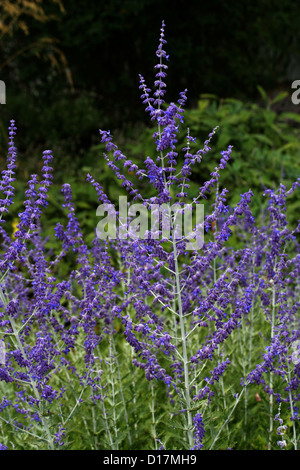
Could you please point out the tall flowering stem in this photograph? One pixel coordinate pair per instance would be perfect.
(178, 290)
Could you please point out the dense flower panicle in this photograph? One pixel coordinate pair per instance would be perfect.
(36, 196)
(102, 197)
(8, 175)
(47, 181)
(215, 174)
(199, 432)
(145, 96)
(117, 156)
(159, 84)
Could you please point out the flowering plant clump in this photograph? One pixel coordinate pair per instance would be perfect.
(148, 343)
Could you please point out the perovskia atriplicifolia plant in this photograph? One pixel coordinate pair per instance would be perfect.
(146, 344)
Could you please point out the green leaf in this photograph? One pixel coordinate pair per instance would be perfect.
(290, 116)
(263, 138)
(262, 93)
(202, 105)
(208, 95)
(279, 97)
